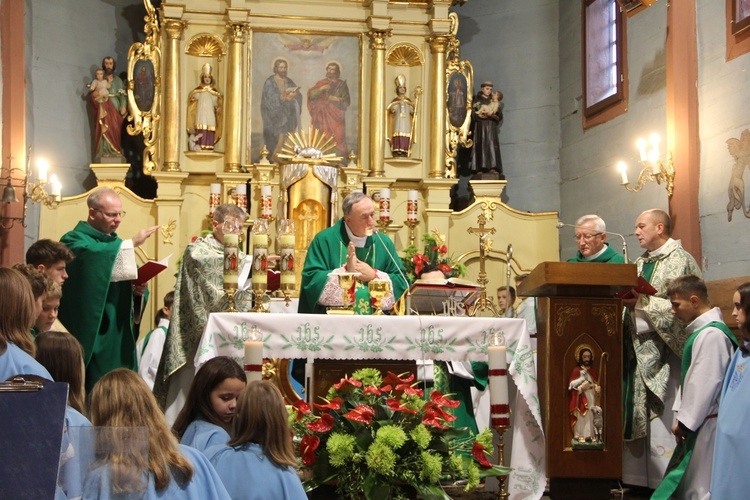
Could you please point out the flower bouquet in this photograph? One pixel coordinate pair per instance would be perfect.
(435, 256)
(379, 438)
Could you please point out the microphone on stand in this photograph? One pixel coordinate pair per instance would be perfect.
(375, 231)
(561, 225)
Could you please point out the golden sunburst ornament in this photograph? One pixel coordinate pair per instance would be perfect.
(205, 45)
(312, 145)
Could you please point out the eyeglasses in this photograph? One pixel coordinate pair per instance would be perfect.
(111, 215)
(586, 237)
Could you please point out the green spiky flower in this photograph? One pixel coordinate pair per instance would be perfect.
(381, 458)
(340, 448)
(421, 435)
(368, 376)
(432, 467)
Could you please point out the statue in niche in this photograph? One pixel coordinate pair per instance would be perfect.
(401, 113)
(585, 413)
(486, 115)
(108, 103)
(280, 107)
(204, 116)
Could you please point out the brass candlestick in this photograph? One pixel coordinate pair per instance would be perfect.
(258, 291)
(383, 224)
(503, 491)
(230, 296)
(411, 224)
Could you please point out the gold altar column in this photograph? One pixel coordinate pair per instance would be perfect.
(377, 102)
(233, 102)
(171, 117)
(438, 44)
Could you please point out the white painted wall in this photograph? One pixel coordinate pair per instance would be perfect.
(724, 113)
(514, 43)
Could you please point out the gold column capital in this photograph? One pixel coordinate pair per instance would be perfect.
(237, 32)
(174, 28)
(377, 38)
(439, 43)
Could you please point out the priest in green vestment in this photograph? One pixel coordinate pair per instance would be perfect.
(352, 245)
(591, 237)
(199, 291)
(97, 302)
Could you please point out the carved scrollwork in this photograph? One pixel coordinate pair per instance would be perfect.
(607, 315)
(564, 314)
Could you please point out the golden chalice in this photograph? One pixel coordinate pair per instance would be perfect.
(379, 289)
(347, 281)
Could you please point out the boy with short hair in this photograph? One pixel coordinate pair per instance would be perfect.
(149, 349)
(50, 306)
(50, 257)
(708, 351)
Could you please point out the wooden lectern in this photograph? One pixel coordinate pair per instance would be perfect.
(577, 311)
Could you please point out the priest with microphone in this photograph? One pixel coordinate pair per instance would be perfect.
(591, 237)
(351, 245)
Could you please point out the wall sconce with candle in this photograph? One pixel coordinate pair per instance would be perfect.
(655, 168)
(36, 192)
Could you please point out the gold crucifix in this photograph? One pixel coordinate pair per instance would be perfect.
(485, 245)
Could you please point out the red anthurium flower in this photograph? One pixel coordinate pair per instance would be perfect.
(432, 418)
(323, 424)
(442, 249)
(371, 389)
(334, 404)
(307, 448)
(395, 405)
(347, 381)
(303, 408)
(440, 400)
(445, 268)
(419, 262)
(362, 414)
(409, 390)
(392, 378)
(480, 455)
(385, 388)
(430, 406)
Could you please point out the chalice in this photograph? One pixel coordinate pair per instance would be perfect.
(347, 281)
(379, 289)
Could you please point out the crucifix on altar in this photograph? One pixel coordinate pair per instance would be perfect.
(485, 246)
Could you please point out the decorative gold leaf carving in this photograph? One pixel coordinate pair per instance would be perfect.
(564, 314)
(607, 315)
(205, 45)
(404, 54)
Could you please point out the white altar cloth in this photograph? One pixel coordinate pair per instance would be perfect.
(402, 338)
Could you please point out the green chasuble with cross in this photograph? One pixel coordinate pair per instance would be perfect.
(327, 252)
(609, 256)
(97, 311)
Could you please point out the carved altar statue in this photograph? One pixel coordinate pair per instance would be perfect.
(401, 116)
(204, 113)
(108, 106)
(585, 391)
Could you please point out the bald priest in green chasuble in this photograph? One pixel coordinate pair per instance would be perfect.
(591, 237)
(350, 245)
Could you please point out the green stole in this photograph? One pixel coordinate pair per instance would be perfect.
(684, 450)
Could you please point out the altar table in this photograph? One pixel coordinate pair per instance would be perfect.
(402, 338)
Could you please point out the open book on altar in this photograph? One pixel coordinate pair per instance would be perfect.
(427, 296)
(151, 269)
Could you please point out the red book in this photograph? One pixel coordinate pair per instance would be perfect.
(642, 287)
(151, 269)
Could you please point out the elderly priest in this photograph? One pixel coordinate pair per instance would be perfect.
(591, 237)
(350, 245)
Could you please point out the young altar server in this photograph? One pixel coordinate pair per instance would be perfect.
(129, 468)
(149, 349)
(259, 462)
(206, 418)
(18, 311)
(705, 358)
(729, 477)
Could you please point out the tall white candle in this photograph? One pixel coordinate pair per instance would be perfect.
(42, 168)
(55, 187)
(266, 201)
(498, 381)
(241, 193)
(286, 243)
(254, 360)
(385, 204)
(260, 256)
(623, 169)
(214, 198)
(412, 205)
(231, 242)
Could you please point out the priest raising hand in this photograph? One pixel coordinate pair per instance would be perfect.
(350, 245)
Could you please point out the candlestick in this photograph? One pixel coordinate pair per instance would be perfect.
(254, 356)
(385, 204)
(412, 205)
(240, 191)
(214, 198)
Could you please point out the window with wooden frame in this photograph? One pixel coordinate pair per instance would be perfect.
(738, 28)
(604, 75)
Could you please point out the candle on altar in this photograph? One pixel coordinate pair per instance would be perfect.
(241, 196)
(412, 205)
(214, 198)
(231, 244)
(254, 356)
(260, 262)
(385, 204)
(265, 202)
(498, 381)
(286, 243)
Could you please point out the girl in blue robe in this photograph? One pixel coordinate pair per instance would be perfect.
(729, 478)
(259, 462)
(149, 468)
(17, 314)
(206, 418)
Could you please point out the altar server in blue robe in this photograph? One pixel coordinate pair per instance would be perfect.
(128, 467)
(259, 462)
(729, 477)
(18, 312)
(206, 418)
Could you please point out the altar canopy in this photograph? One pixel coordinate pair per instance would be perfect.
(401, 338)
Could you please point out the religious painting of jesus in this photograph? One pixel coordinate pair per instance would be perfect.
(300, 80)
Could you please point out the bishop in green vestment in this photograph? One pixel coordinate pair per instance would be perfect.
(591, 237)
(350, 244)
(97, 302)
